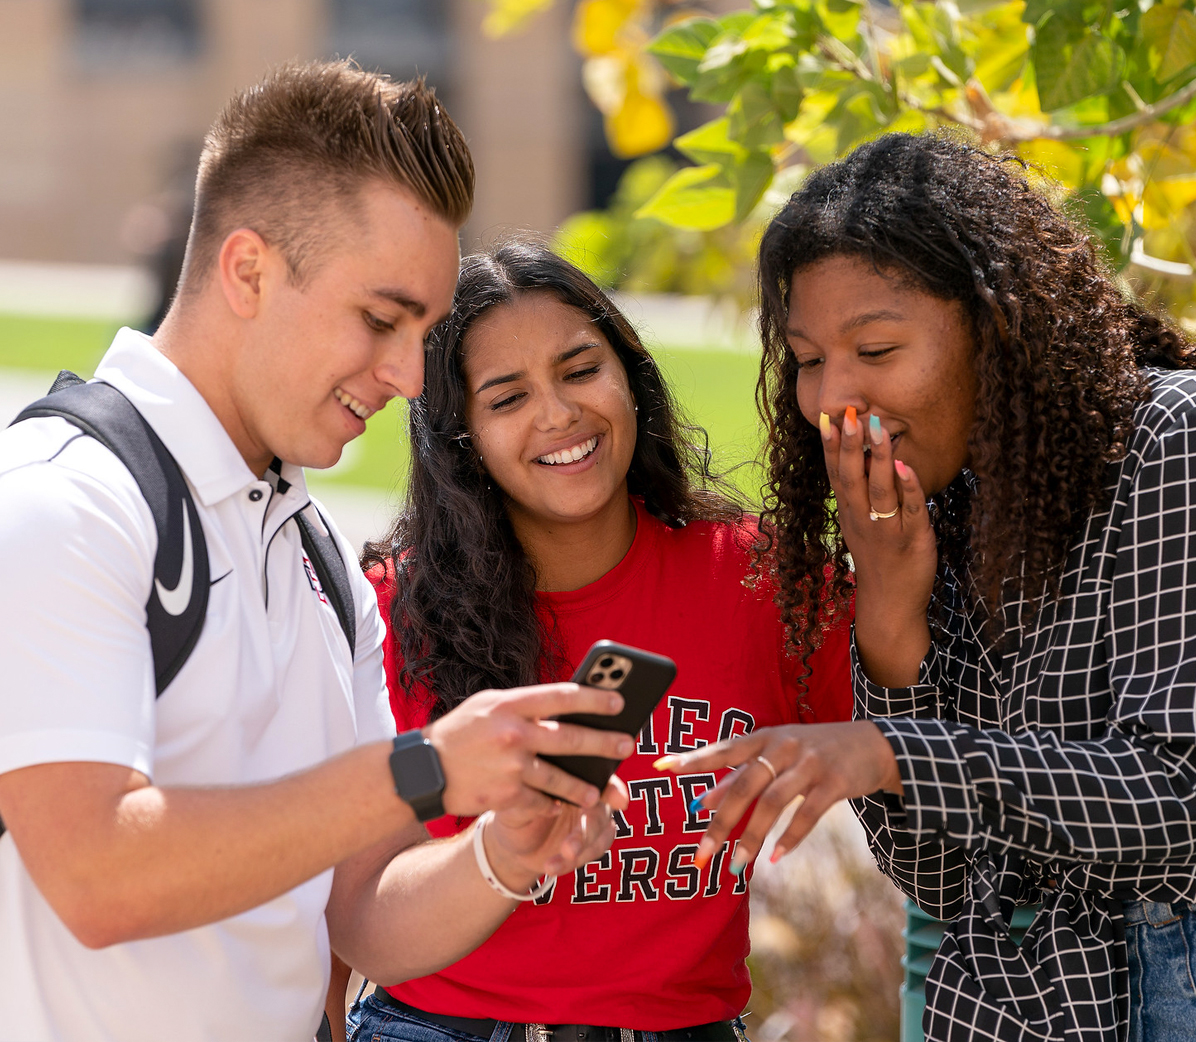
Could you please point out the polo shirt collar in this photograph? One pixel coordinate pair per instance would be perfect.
(182, 418)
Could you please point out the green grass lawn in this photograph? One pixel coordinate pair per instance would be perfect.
(714, 388)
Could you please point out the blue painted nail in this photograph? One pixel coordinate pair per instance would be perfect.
(695, 805)
(736, 867)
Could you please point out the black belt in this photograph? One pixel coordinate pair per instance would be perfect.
(481, 1027)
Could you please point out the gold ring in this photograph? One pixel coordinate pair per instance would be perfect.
(876, 516)
(771, 769)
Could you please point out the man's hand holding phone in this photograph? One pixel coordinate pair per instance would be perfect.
(640, 677)
(492, 747)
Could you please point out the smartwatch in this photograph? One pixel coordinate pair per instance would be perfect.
(419, 781)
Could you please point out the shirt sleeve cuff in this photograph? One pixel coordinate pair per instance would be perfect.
(940, 798)
(922, 699)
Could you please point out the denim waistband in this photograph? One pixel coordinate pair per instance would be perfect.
(1157, 913)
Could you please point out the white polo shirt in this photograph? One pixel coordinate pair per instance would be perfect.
(270, 688)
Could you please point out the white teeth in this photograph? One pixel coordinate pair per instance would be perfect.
(569, 455)
(352, 404)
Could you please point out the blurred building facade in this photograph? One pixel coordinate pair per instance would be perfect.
(103, 104)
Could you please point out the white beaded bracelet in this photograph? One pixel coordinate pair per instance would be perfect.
(479, 853)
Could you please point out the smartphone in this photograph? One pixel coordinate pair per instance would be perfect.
(640, 677)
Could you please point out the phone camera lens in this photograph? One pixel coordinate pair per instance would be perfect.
(596, 677)
(607, 662)
(616, 674)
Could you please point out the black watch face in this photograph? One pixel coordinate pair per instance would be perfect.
(418, 778)
(417, 772)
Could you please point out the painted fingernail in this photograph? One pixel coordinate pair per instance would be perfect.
(695, 804)
(874, 429)
(824, 425)
(666, 763)
(902, 470)
(850, 425)
(706, 849)
(737, 865)
(778, 852)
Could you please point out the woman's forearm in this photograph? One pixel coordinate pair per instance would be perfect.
(891, 643)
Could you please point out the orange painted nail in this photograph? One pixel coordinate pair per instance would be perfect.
(849, 420)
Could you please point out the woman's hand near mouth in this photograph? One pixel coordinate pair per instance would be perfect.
(883, 518)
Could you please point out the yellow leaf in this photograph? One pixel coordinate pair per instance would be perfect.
(643, 124)
(605, 80)
(1165, 198)
(1123, 197)
(597, 24)
(508, 16)
(1056, 159)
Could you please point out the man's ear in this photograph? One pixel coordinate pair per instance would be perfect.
(243, 261)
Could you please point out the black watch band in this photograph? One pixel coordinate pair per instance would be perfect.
(419, 781)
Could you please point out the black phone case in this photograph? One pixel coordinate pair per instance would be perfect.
(642, 689)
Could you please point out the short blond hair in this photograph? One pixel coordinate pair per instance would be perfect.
(289, 156)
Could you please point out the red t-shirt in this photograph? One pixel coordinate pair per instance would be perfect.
(641, 938)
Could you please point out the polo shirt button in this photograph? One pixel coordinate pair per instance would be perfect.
(255, 494)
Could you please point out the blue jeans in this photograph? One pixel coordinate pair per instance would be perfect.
(372, 1021)
(1161, 946)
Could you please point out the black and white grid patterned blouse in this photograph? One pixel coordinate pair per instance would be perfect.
(1062, 771)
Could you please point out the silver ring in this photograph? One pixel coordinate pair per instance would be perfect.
(877, 517)
(771, 769)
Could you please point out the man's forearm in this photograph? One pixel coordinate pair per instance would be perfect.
(433, 891)
(124, 860)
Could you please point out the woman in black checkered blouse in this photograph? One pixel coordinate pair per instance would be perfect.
(1011, 447)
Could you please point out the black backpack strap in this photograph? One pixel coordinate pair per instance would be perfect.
(326, 559)
(178, 600)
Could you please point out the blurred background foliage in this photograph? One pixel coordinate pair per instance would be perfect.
(1098, 96)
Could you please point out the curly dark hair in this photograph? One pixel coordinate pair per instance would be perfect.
(1059, 351)
(464, 611)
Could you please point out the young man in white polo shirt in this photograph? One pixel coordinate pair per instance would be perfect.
(168, 866)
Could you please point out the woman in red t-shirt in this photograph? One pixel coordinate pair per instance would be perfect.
(554, 501)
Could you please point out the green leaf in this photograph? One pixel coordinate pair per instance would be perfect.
(1001, 59)
(584, 240)
(1073, 62)
(711, 143)
(1170, 33)
(681, 47)
(737, 22)
(769, 32)
(787, 92)
(841, 17)
(754, 122)
(971, 8)
(722, 53)
(752, 178)
(857, 116)
(728, 65)
(1081, 11)
(700, 197)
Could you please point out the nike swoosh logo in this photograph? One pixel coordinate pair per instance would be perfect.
(174, 602)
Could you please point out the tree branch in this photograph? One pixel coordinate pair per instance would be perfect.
(1120, 126)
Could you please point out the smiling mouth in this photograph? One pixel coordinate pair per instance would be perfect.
(363, 412)
(578, 452)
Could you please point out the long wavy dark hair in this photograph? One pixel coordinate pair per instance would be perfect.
(1059, 351)
(464, 610)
